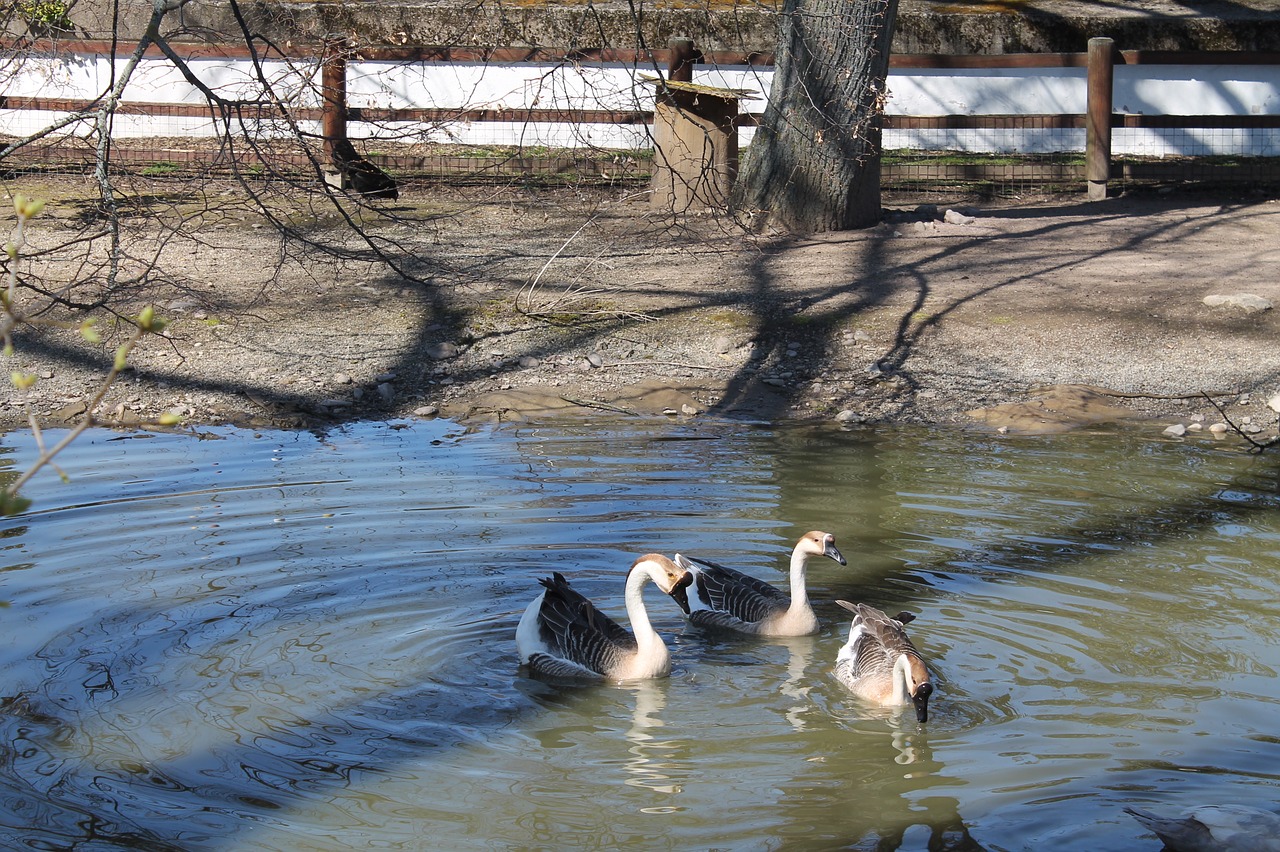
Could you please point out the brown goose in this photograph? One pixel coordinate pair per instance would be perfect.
(725, 599)
(563, 635)
(879, 663)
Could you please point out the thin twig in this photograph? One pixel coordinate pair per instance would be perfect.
(668, 364)
(1257, 446)
(591, 403)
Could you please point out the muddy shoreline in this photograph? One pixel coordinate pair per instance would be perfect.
(1022, 316)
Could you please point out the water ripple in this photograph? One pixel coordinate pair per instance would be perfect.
(277, 641)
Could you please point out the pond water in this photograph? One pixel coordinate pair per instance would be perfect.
(238, 640)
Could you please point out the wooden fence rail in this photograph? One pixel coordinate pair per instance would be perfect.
(1098, 120)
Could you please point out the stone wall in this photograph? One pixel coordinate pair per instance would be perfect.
(1012, 26)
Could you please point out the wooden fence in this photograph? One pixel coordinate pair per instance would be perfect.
(1098, 121)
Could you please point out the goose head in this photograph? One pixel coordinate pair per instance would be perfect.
(671, 578)
(819, 543)
(916, 684)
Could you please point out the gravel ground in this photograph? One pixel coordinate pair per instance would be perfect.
(1022, 315)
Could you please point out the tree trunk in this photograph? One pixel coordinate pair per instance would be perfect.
(814, 164)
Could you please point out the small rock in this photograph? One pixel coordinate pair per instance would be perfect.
(1251, 428)
(528, 362)
(774, 381)
(1177, 430)
(1194, 427)
(426, 411)
(1219, 428)
(341, 379)
(1274, 403)
(46, 374)
(595, 360)
(69, 411)
(389, 376)
(723, 346)
(953, 217)
(334, 404)
(689, 410)
(443, 351)
(861, 336)
(1248, 301)
(1244, 399)
(387, 391)
(848, 415)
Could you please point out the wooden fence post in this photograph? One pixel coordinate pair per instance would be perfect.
(333, 95)
(681, 59)
(1097, 142)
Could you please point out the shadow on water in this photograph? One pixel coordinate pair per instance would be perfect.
(441, 709)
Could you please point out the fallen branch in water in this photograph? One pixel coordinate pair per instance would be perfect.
(603, 406)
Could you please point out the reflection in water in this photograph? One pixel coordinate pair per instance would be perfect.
(279, 642)
(651, 761)
(797, 683)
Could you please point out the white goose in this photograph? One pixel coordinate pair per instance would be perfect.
(725, 599)
(1215, 828)
(879, 663)
(563, 635)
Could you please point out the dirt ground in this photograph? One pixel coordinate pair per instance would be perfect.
(1021, 315)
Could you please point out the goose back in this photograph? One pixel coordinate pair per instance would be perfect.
(729, 599)
(581, 641)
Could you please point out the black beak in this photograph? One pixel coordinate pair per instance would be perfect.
(832, 553)
(679, 593)
(921, 701)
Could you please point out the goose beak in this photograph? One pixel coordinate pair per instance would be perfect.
(921, 701)
(832, 553)
(678, 591)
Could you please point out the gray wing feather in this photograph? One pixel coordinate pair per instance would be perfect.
(718, 619)
(576, 631)
(1176, 833)
(869, 655)
(885, 638)
(739, 595)
(554, 667)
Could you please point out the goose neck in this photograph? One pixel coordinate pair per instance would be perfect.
(799, 592)
(645, 635)
(903, 686)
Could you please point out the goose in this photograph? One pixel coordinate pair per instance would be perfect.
(1215, 828)
(563, 635)
(879, 663)
(725, 599)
